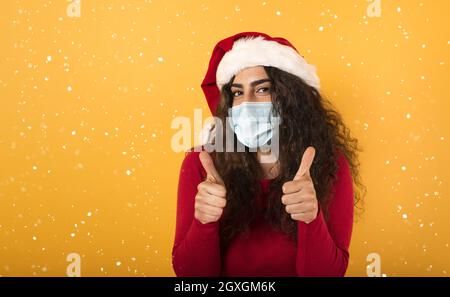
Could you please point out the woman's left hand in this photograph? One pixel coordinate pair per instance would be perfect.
(299, 194)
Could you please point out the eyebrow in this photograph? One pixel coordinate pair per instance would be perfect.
(253, 83)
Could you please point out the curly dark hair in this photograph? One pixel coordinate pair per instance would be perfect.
(307, 119)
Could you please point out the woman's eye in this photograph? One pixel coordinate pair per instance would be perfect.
(260, 90)
(234, 93)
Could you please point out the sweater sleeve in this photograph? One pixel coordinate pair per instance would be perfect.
(196, 248)
(322, 246)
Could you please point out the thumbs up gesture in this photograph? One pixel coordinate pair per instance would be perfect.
(299, 194)
(211, 195)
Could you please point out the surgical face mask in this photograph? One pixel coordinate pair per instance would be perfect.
(253, 123)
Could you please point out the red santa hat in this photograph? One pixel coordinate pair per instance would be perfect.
(248, 49)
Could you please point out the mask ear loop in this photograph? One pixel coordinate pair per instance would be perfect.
(271, 116)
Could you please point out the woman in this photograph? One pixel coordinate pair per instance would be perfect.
(238, 216)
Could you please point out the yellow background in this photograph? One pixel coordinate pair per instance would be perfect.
(86, 163)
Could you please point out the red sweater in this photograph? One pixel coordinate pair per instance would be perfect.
(321, 248)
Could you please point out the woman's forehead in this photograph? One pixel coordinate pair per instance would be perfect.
(250, 74)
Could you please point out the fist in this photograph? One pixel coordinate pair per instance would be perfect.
(299, 195)
(211, 193)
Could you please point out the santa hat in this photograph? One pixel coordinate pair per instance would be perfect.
(248, 49)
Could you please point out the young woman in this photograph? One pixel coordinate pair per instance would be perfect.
(238, 216)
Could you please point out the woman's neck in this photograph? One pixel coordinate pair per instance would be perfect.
(269, 165)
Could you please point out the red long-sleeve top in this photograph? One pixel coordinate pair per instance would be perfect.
(321, 248)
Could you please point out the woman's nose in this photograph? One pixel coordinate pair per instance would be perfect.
(249, 97)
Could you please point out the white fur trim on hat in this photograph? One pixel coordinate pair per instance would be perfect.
(254, 51)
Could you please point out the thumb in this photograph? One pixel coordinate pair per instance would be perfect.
(208, 164)
(305, 164)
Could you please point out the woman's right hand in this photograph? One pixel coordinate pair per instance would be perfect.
(211, 195)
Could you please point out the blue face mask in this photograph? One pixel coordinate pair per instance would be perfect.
(253, 123)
